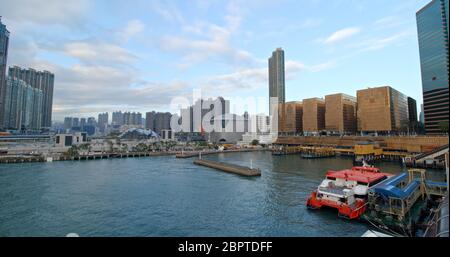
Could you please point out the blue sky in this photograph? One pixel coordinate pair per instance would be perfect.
(137, 55)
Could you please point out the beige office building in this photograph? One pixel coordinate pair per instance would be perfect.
(290, 118)
(382, 109)
(313, 115)
(340, 113)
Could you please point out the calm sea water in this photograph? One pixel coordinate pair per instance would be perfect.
(164, 196)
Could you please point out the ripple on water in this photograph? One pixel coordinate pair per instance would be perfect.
(164, 196)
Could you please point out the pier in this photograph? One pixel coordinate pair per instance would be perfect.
(98, 156)
(231, 168)
(198, 153)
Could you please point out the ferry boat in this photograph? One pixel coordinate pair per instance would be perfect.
(346, 190)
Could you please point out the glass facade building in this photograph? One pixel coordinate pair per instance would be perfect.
(432, 27)
(4, 41)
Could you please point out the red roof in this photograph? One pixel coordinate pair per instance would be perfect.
(359, 174)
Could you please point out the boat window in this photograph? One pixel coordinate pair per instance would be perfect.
(362, 183)
(330, 178)
(378, 181)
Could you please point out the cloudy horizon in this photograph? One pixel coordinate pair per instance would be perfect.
(138, 55)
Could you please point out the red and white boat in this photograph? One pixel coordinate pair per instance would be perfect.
(346, 190)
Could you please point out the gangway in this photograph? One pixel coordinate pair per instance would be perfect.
(434, 154)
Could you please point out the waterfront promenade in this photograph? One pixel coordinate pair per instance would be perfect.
(410, 144)
(97, 156)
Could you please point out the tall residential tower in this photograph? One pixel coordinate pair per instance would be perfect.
(276, 77)
(432, 28)
(4, 40)
(42, 80)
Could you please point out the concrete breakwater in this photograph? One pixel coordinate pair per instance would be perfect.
(231, 168)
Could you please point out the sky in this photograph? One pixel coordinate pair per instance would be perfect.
(137, 55)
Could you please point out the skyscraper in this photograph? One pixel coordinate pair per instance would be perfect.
(102, 121)
(68, 121)
(42, 80)
(150, 120)
(432, 28)
(276, 77)
(162, 122)
(412, 115)
(117, 118)
(22, 105)
(4, 41)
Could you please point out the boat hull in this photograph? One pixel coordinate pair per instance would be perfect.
(345, 211)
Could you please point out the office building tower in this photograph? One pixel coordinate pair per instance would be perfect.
(4, 42)
(412, 115)
(313, 115)
(290, 118)
(340, 114)
(422, 115)
(432, 28)
(276, 77)
(42, 80)
(382, 110)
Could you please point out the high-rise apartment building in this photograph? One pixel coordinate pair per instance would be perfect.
(162, 122)
(42, 80)
(22, 105)
(340, 113)
(68, 121)
(313, 115)
(103, 121)
(433, 33)
(4, 41)
(117, 118)
(150, 120)
(382, 110)
(193, 116)
(277, 77)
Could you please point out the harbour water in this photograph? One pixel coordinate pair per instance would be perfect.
(164, 196)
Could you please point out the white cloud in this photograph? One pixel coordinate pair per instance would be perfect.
(253, 78)
(342, 35)
(168, 11)
(85, 89)
(132, 28)
(382, 42)
(49, 12)
(98, 52)
(205, 41)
